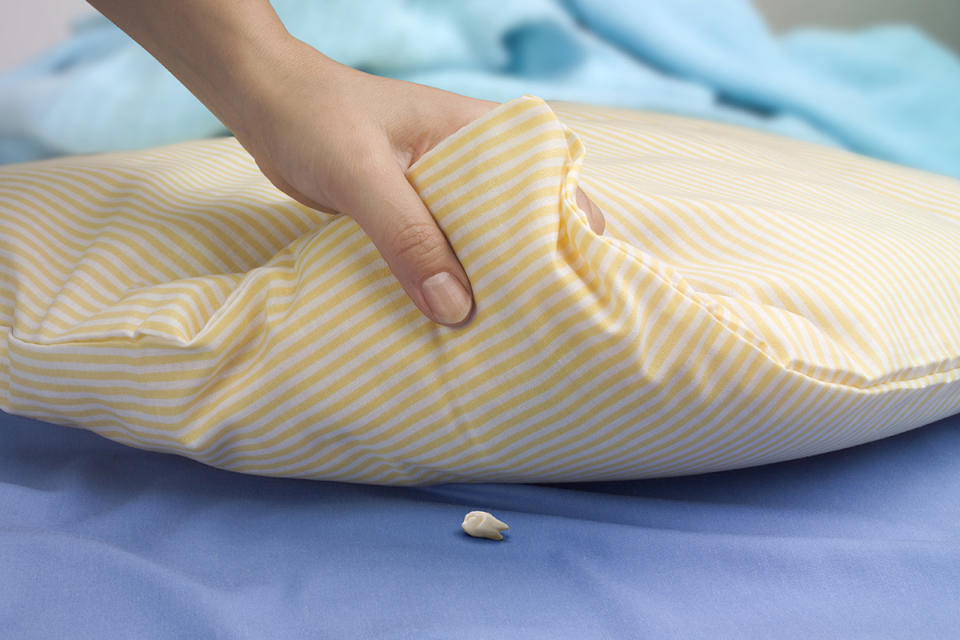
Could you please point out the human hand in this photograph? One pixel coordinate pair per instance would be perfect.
(340, 140)
(333, 138)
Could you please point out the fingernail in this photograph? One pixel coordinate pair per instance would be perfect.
(446, 297)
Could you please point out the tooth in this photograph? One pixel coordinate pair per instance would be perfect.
(481, 524)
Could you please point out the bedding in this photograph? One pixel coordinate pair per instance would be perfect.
(98, 540)
(102, 540)
(754, 299)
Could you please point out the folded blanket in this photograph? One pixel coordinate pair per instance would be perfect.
(889, 92)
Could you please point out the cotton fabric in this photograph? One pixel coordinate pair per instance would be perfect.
(755, 299)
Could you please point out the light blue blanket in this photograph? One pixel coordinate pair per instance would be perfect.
(889, 92)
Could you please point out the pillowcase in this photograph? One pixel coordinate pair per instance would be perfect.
(753, 299)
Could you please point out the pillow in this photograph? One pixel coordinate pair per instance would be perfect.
(753, 299)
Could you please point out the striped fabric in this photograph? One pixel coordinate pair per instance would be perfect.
(753, 299)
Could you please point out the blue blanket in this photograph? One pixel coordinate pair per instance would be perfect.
(889, 92)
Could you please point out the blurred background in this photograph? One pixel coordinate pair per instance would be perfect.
(890, 92)
(27, 28)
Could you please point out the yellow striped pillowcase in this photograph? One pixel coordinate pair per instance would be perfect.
(754, 299)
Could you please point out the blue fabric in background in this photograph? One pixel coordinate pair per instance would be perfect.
(102, 541)
(889, 92)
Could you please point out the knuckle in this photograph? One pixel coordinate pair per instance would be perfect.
(417, 241)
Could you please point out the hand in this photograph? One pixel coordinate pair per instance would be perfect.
(340, 140)
(333, 138)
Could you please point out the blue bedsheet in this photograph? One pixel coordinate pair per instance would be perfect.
(890, 92)
(102, 541)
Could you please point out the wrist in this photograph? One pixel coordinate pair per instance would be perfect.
(275, 76)
(239, 72)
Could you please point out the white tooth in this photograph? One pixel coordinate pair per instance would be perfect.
(481, 524)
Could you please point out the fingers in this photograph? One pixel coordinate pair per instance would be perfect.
(594, 215)
(391, 212)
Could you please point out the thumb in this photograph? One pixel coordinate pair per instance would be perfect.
(392, 214)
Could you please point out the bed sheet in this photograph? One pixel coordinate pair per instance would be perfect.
(99, 540)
